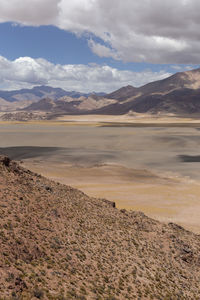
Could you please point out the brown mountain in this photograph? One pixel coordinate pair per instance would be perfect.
(44, 104)
(4, 102)
(58, 243)
(70, 105)
(180, 101)
(4, 105)
(189, 79)
(59, 106)
(123, 93)
(179, 93)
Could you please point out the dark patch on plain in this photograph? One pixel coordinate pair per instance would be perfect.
(152, 125)
(63, 154)
(189, 158)
(27, 151)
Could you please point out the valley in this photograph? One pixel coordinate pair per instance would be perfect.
(138, 162)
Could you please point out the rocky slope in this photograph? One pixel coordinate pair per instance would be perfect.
(58, 243)
(123, 93)
(44, 104)
(23, 116)
(180, 80)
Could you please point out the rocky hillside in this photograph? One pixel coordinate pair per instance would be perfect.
(58, 243)
(22, 116)
(180, 80)
(123, 93)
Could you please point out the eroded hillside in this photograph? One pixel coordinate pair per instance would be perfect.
(58, 243)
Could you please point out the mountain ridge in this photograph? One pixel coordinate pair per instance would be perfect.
(39, 92)
(178, 94)
(70, 105)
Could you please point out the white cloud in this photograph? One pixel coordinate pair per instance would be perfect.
(154, 31)
(102, 50)
(181, 68)
(28, 72)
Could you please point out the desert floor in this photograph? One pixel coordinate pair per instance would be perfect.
(142, 163)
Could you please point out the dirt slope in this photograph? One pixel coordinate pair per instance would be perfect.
(57, 243)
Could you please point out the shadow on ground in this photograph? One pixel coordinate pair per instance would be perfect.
(60, 154)
(189, 158)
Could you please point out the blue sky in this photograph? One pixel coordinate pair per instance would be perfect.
(55, 45)
(59, 47)
(78, 45)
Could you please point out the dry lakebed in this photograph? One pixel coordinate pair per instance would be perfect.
(144, 164)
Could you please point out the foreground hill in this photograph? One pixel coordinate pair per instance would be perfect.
(58, 243)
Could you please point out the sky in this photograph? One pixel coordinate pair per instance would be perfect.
(96, 45)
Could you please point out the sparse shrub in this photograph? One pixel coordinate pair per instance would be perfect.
(38, 293)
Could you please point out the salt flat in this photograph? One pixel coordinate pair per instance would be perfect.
(154, 169)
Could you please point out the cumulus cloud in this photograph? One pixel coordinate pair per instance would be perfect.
(102, 50)
(28, 72)
(154, 31)
(181, 68)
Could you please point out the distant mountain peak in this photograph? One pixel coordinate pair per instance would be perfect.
(192, 79)
(41, 91)
(179, 94)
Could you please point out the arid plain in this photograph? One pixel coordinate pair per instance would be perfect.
(150, 164)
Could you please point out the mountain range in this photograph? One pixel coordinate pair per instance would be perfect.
(38, 92)
(177, 94)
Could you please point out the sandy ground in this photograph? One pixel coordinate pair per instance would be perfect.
(140, 168)
(166, 199)
(132, 118)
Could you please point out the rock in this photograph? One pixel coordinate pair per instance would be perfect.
(110, 203)
(48, 188)
(5, 160)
